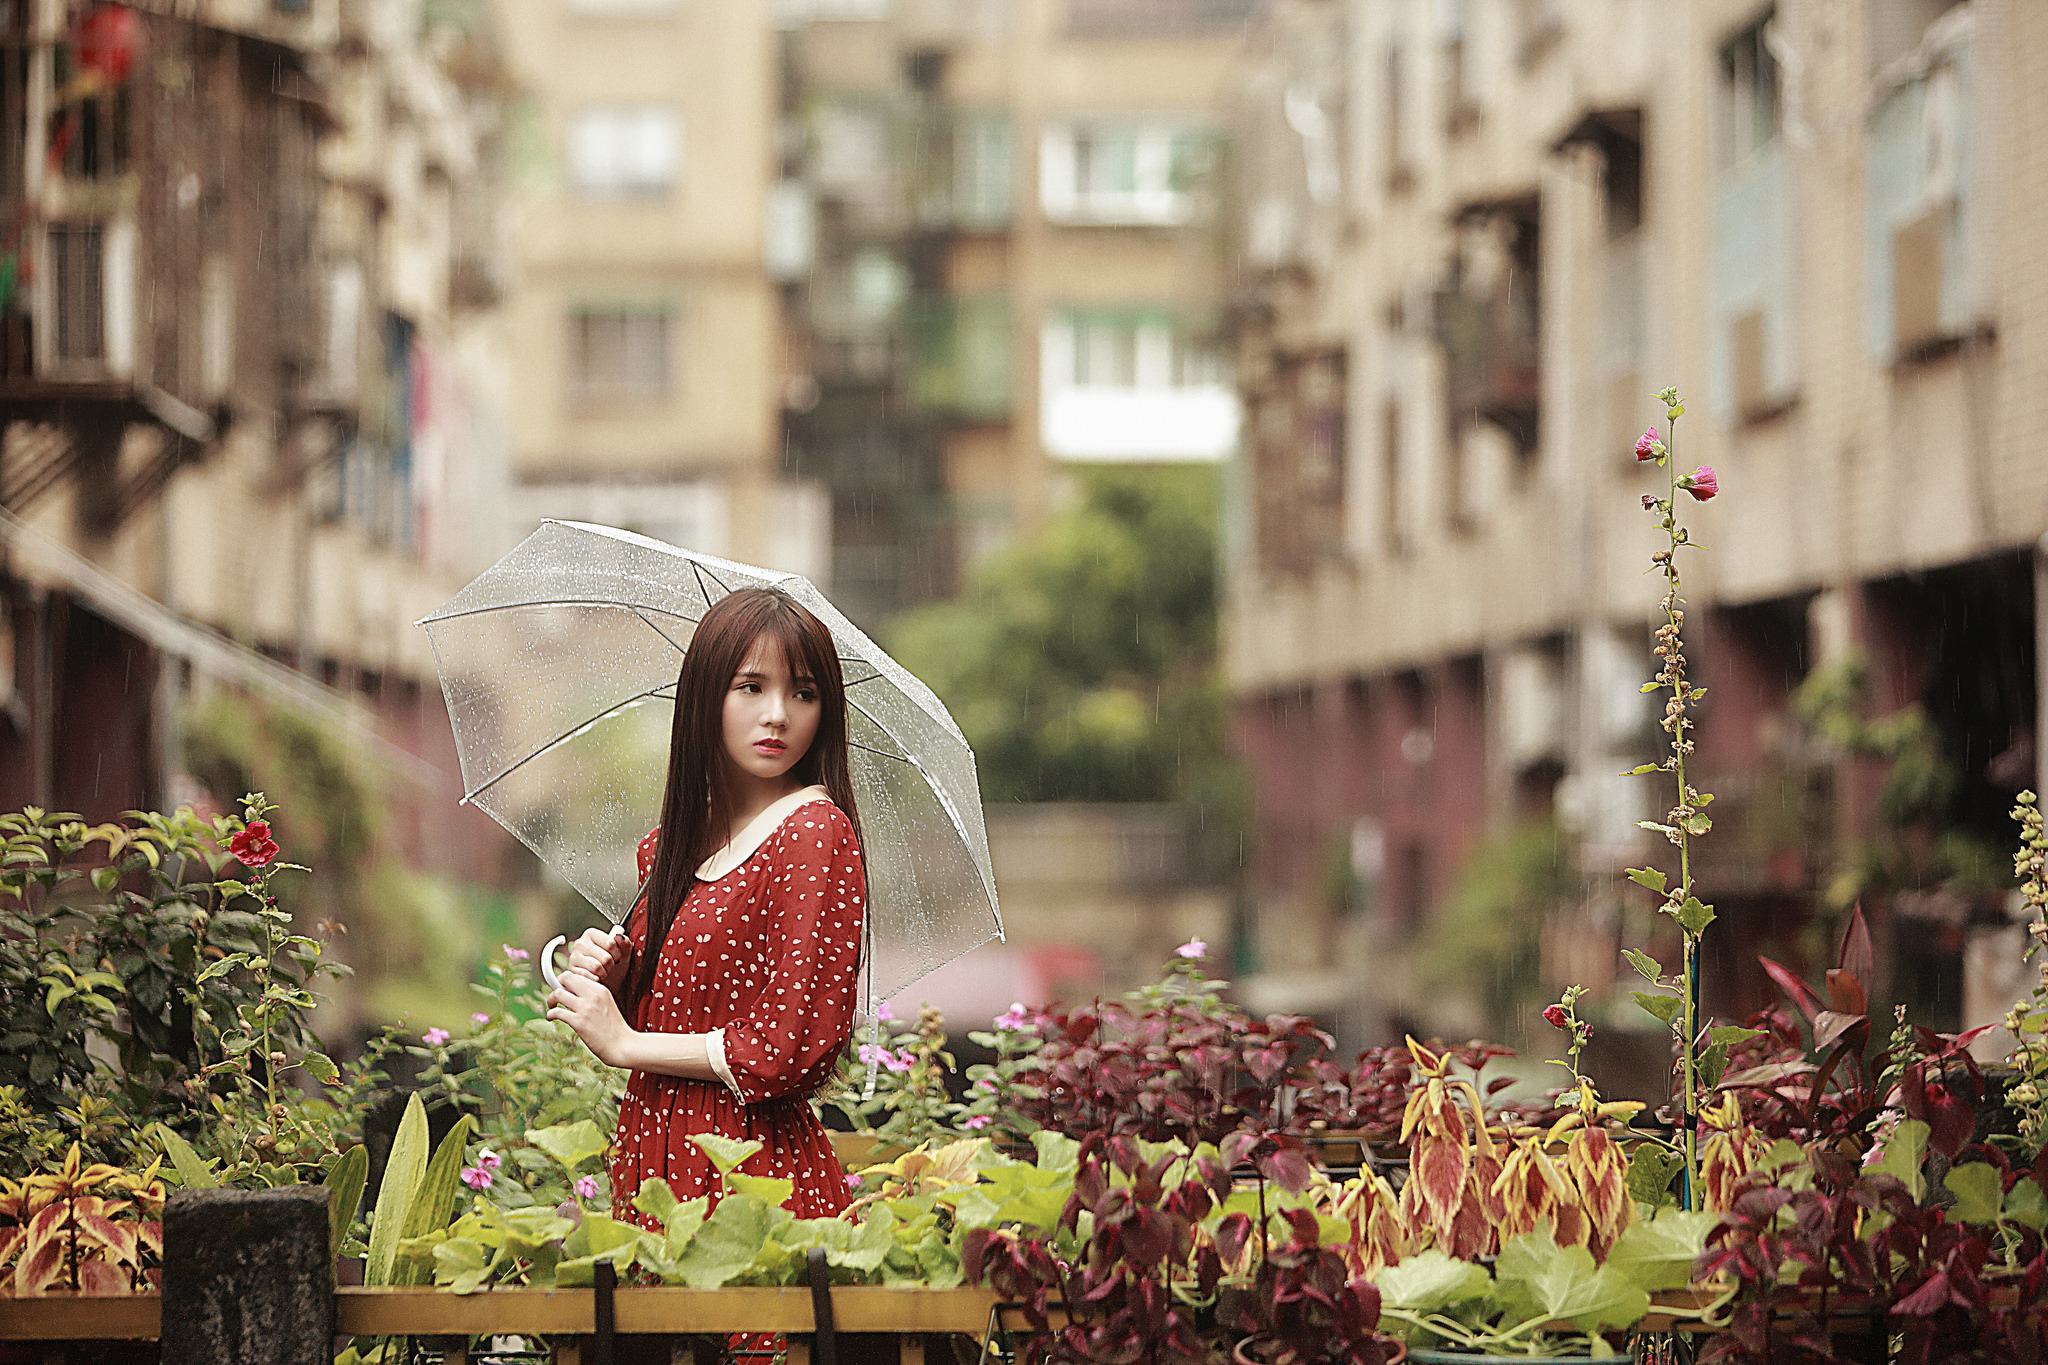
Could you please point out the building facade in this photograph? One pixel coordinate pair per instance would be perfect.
(1472, 241)
(1002, 265)
(644, 326)
(248, 387)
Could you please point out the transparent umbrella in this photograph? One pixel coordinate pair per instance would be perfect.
(559, 667)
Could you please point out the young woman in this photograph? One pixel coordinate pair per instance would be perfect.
(738, 1010)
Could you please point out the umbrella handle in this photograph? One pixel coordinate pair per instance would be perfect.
(547, 956)
(547, 961)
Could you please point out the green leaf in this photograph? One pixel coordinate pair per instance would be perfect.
(222, 966)
(434, 1205)
(1646, 768)
(404, 1169)
(104, 878)
(729, 1242)
(1647, 967)
(1694, 916)
(1732, 1033)
(1056, 1151)
(1655, 828)
(345, 1180)
(655, 1199)
(1562, 1283)
(774, 1191)
(2025, 1204)
(725, 1153)
(1649, 687)
(1430, 1281)
(1650, 1171)
(1904, 1150)
(600, 1235)
(461, 1264)
(321, 1068)
(1699, 822)
(193, 1173)
(1664, 1008)
(572, 1144)
(1658, 1254)
(1713, 1063)
(1979, 1192)
(1652, 877)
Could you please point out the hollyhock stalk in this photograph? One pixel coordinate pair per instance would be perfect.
(1688, 817)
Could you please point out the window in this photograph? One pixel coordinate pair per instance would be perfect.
(981, 170)
(1121, 172)
(1748, 103)
(624, 150)
(1129, 383)
(1137, 350)
(619, 356)
(77, 290)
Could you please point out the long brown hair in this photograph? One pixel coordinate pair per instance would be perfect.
(697, 799)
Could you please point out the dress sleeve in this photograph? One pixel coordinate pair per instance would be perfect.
(816, 897)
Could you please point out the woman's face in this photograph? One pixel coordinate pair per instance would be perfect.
(771, 717)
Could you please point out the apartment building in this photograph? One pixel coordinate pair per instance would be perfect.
(644, 325)
(249, 382)
(1471, 242)
(1009, 270)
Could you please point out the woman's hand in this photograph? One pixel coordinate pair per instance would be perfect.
(586, 1005)
(604, 955)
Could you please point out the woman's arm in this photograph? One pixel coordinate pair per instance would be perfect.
(587, 1006)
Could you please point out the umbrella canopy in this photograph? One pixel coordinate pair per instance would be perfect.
(559, 667)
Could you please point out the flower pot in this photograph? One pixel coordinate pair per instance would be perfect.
(1258, 1350)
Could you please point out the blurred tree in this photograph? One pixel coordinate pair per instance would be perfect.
(1081, 663)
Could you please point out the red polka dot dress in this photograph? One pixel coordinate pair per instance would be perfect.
(763, 956)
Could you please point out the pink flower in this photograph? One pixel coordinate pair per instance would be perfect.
(1194, 950)
(254, 847)
(479, 1020)
(476, 1177)
(987, 1083)
(976, 1121)
(870, 1055)
(852, 1181)
(434, 1037)
(884, 1013)
(586, 1188)
(1557, 1018)
(516, 954)
(489, 1160)
(1701, 483)
(1648, 447)
(1011, 1018)
(1650, 502)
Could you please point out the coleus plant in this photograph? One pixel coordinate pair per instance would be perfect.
(1816, 1240)
(90, 1228)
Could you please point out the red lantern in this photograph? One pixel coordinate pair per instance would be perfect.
(108, 37)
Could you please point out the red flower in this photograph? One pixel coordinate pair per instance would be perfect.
(1701, 483)
(254, 847)
(1557, 1018)
(1648, 447)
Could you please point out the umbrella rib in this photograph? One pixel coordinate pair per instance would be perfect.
(554, 602)
(880, 753)
(702, 574)
(659, 631)
(945, 801)
(566, 735)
